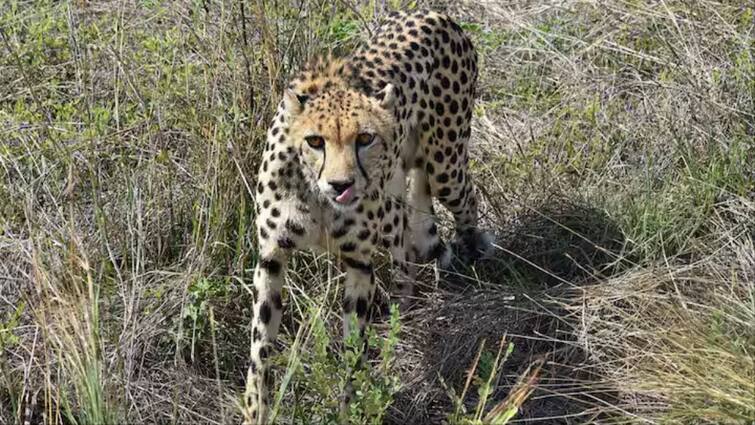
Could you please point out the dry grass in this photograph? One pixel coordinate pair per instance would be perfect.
(680, 334)
(613, 149)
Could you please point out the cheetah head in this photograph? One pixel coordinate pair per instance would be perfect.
(344, 138)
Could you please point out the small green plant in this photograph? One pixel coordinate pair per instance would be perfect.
(196, 312)
(8, 326)
(343, 30)
(485, 38)
(316, 375)
(374, 387)
(482, 374)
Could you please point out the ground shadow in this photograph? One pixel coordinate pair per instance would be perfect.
(543, 255)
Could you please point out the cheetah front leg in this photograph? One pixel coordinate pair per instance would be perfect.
(268, 281)
(359, 289)
(426, 242)
(397, 238)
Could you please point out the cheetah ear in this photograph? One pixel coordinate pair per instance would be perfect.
(386, 96)
(294, 102)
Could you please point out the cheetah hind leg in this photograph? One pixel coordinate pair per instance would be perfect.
(473, 244)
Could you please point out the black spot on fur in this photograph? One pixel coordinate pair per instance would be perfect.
(361, 307)
(348, 305)
(277, 301)
(436, 251)
(294, 227)
(339, 233)
(286, 243)
(265, 312)
(365, 268)
(272, 266)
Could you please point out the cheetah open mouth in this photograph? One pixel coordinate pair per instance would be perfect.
(346, 197)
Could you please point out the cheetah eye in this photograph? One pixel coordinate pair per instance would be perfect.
(365, 139)
(315, 142)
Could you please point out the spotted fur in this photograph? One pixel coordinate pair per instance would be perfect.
(347, 135)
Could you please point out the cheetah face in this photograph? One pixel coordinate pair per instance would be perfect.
(343, 137)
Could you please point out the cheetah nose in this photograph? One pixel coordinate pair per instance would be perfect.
(341, 186)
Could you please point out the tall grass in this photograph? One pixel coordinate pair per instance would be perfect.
(613, 148)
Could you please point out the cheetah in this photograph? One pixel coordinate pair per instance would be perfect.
(346, 136)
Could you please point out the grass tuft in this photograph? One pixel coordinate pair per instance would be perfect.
(612, 146)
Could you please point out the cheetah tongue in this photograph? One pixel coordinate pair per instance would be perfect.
(345, 196)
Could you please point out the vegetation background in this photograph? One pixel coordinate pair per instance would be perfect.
(612, 145)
